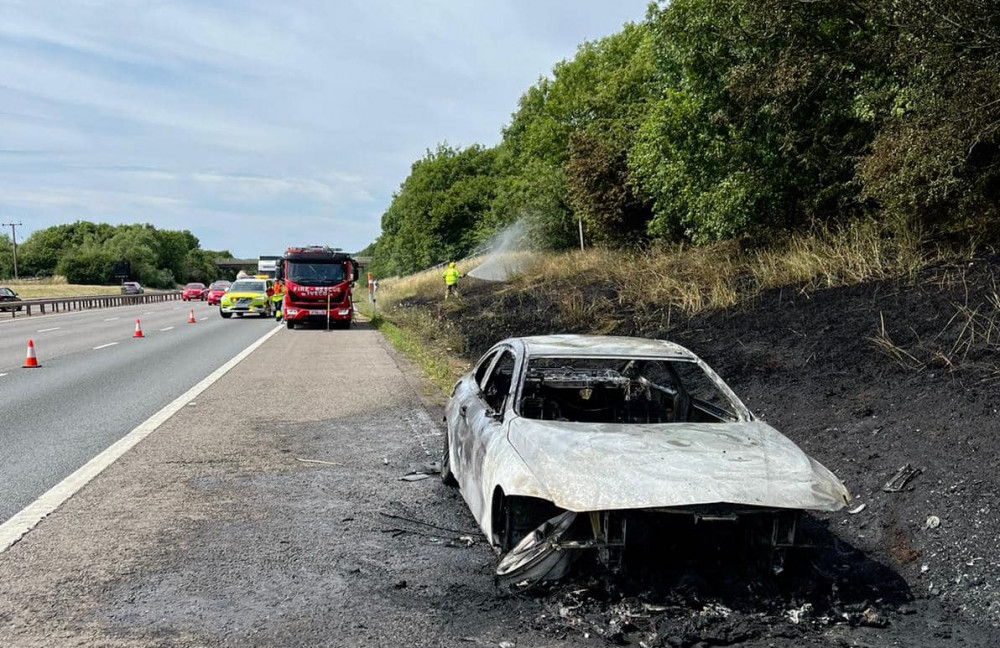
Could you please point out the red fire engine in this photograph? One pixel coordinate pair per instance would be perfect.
(318, 282)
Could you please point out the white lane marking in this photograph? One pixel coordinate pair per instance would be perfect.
(2, 375)
(149, 312)
(202, 319)
(25, 520)
(105, 346)
(54, 328)
(111, 319)
(169, 328)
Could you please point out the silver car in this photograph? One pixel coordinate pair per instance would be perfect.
(568, 444)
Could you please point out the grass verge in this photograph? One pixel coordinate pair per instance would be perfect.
(436, 361)
(55, 287)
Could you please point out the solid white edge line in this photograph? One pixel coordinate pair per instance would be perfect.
(111, 319)
(105, 346)
(169, 328)
(2, 375)
(54, 328)
(25, 520)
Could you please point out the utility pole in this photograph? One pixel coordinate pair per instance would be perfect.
(13, 236)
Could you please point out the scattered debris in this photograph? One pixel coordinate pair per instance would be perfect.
(538, 556)
(422, 523)
(901, 478)
(870, 617)
(932, 522)
(428, 470)
(857, 509)
(796, 615)
(507, 644)
(315, 461)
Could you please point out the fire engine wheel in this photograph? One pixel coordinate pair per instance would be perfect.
(290, 325)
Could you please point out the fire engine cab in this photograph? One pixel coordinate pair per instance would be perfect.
(318, 283)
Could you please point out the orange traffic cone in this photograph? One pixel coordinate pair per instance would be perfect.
(138, 329)
(191, 317)
(31, 361)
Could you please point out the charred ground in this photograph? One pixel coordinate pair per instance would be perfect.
(866, 378)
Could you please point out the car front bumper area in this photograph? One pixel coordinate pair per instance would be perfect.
(254, 307)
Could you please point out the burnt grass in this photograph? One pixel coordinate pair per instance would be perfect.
(865, 378)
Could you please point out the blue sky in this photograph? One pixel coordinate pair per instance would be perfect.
(259, 124)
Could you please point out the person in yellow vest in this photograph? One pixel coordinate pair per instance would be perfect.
(451, 277)
(278, 299)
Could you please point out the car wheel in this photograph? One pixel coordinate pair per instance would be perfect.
(447, 476)
(290, 325)
(225, 315)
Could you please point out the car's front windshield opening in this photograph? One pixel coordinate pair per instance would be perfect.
(247, 287)
(315, 274)
(622, 390)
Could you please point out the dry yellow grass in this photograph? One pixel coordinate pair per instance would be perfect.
(55, 287)
(696, 278)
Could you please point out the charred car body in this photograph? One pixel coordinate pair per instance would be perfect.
(568, 443)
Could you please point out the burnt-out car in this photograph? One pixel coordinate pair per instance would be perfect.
(567, 445)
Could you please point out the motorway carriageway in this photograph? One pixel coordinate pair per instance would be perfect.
(96, 383)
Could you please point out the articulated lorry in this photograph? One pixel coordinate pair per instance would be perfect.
(318, 282)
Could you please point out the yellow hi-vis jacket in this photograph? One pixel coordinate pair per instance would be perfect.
(450, 276)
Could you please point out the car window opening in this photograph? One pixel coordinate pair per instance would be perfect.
(497, 385)
(622, 390)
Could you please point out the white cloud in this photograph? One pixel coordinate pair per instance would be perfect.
(208, 114)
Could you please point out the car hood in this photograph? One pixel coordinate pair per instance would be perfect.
(593, 466)
(245, 295)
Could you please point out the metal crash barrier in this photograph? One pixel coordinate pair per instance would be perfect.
(85, 302)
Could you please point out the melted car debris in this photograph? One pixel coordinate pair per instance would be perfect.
(901, 478)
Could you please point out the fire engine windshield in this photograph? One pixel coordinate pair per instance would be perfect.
(315, 273)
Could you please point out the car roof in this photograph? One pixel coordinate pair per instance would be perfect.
(601, 346)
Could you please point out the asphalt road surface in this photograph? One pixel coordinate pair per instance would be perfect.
(270, 512)
(96, 383)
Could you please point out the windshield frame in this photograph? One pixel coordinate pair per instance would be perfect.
(260, 282)
(325, 280)
(743, 413)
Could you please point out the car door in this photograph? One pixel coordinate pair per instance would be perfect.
(484, 417)
(465, 394)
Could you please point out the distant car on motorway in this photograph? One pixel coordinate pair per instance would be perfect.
(8, 295)
(247, 296)
(193, 290)
(215, 292)
(132, 288)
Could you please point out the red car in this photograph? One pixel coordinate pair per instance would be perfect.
(216, 291)
(193, 291)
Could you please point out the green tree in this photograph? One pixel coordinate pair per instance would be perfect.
(433, 216)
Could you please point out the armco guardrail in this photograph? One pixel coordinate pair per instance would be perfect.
(85, 302)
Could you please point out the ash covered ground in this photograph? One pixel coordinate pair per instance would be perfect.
(867, 379)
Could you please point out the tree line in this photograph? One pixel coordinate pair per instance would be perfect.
(714, 119)
(86, 253)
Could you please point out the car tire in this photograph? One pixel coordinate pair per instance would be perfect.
(447, 476)
(225, 315)
(290, 325)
